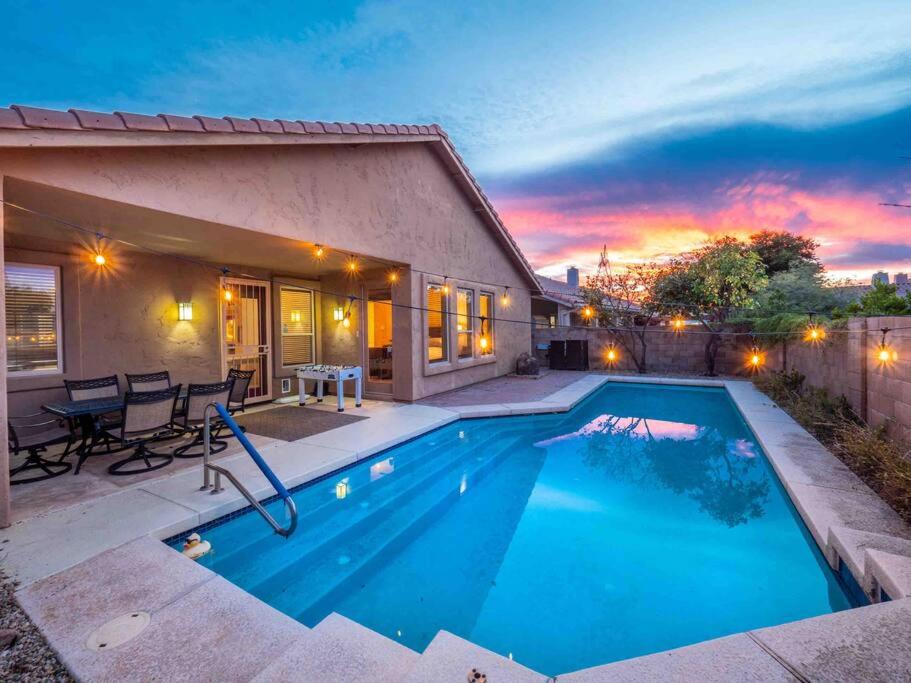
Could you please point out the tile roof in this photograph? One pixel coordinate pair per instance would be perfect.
(19, 118)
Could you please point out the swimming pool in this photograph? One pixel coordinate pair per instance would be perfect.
(644, 519)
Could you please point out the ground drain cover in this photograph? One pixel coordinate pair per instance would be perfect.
(118, 631)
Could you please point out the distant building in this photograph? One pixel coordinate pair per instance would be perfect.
(900, 279)
(572, 276)
(881, 277)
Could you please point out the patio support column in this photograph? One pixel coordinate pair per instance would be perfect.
(5, 517)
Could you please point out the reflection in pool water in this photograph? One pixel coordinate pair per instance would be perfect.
(645, 519)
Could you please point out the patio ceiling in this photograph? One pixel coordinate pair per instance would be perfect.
(162, 232)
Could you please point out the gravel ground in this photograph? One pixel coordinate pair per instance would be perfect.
(30, 658)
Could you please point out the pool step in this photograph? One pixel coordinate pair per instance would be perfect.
(308, 588)
(348, 523)
(312, 513)
(339, 649)
(450, 658)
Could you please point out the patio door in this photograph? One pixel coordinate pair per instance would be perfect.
(378, 342)
(246, 332)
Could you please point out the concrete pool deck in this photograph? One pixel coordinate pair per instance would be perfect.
(86, 564)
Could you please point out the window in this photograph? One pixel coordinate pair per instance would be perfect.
(33, 319)
(437, 325)
(464, 322)
(485, 340)
(297, 326)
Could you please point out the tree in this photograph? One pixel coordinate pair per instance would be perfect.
(711, 283)
(780, 250)
(882, 299)
(620, 299)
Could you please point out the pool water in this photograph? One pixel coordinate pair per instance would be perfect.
(646, 518)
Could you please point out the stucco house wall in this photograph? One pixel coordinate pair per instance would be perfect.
(391, 201)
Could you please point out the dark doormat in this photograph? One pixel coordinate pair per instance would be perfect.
(290, 423)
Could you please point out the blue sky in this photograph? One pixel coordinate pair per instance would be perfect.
(646, 126)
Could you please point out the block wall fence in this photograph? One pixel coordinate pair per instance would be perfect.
(845, 364)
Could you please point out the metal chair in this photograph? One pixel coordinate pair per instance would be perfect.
(147, 416)
(238, 399)
(150, 381)
(193, 419)
(88, 389)
(33, 436)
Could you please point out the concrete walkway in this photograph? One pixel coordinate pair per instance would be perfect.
(88, 564)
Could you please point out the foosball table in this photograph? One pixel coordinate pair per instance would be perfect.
(320, 373)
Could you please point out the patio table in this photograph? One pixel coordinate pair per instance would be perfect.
(84, 413)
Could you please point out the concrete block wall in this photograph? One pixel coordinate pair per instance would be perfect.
(845, 364)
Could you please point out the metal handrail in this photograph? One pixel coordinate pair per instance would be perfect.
(257, 458)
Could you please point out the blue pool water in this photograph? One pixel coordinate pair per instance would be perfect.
(645, 519)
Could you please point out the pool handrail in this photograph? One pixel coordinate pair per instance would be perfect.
(257, 458)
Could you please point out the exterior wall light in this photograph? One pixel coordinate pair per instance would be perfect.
(185, 310)
(338, 314)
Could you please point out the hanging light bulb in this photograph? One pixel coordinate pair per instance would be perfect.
(393, 277)
(352, 265)
(319, 251)
(483, 343)
(445, 287)
(346, 321)
(588, 312)
(678, 323)
(504, 300)
(227, 294)
(755, 358)
(99, 259)
(611, 355)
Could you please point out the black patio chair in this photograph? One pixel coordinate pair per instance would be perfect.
(238, 399)
(147, 416)
(88, 389)
(150, 381)
(192, 421)
(33, 434)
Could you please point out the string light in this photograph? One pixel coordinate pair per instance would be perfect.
(756, 358)
(318, 251)
(587, 312)
(228, 295)
(611, 355)
(393, 277)
(677, 323)
(352, 265)
(346, 322)
(99, 259)
(445, 287)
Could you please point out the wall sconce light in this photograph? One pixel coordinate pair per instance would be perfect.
(504, 300)
(338, 314)
(185, 310)
(885, 354)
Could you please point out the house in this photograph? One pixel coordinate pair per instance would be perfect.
(560, 302)
(136, 243)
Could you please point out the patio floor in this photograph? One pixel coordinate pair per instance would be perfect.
(507, 389)
(93, 481)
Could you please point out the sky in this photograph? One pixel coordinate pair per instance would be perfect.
(644, 127)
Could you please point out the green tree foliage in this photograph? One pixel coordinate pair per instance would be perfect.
(711, 283)
(881, 299)
(781, 251)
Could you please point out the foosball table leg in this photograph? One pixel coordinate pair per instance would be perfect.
(319, 391)
(357, 392)
(340, 394)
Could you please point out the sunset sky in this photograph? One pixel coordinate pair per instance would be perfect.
(646, 126)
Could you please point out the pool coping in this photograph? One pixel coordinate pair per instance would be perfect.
(851, 525)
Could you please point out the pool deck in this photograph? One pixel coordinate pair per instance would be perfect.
(83, 565)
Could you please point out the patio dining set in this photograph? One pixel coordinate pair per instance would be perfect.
(97, 418)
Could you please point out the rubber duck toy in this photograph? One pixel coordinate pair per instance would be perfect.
(475, 676)
(195, 547)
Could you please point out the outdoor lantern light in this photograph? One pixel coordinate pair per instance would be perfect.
(185, 310)
(504, 300)
(885, 353)
(338, 314)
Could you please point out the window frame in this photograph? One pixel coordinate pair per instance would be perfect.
(58, 323)
(444, 325)
(281, 333)
(492, 346)
(470, 316)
